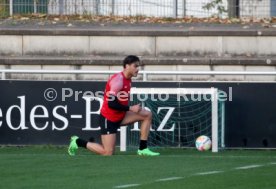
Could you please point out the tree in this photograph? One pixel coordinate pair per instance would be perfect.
(216, 4)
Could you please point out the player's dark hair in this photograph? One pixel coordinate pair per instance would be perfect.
(130, 59)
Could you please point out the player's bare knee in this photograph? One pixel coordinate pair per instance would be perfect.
(108, 153)
(148, 115)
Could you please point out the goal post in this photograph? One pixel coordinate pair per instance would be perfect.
(180, 115)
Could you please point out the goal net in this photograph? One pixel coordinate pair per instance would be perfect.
(180, 115)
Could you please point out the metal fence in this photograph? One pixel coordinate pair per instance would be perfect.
(144, 74)
(150, 8)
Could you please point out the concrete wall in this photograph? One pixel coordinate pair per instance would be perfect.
(253, 50)
(159, 46)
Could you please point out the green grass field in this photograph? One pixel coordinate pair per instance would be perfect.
(51, 167)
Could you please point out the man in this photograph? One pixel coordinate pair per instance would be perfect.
(115, 112)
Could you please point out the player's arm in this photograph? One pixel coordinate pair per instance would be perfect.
(114, 103)
(116, 85)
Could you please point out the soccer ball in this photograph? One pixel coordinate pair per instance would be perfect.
(203, 143)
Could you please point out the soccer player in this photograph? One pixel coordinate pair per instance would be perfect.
(115, 112)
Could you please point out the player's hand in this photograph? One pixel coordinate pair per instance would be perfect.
(135, 108)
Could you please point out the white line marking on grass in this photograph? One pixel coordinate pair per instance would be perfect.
(197, 174)
(168, 179)
(248, 167)
(209, 173)
(126, 186)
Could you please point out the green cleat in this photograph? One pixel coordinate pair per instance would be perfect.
(147, 152)
(73, 146)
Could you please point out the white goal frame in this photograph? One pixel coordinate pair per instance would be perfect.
(183, 91)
